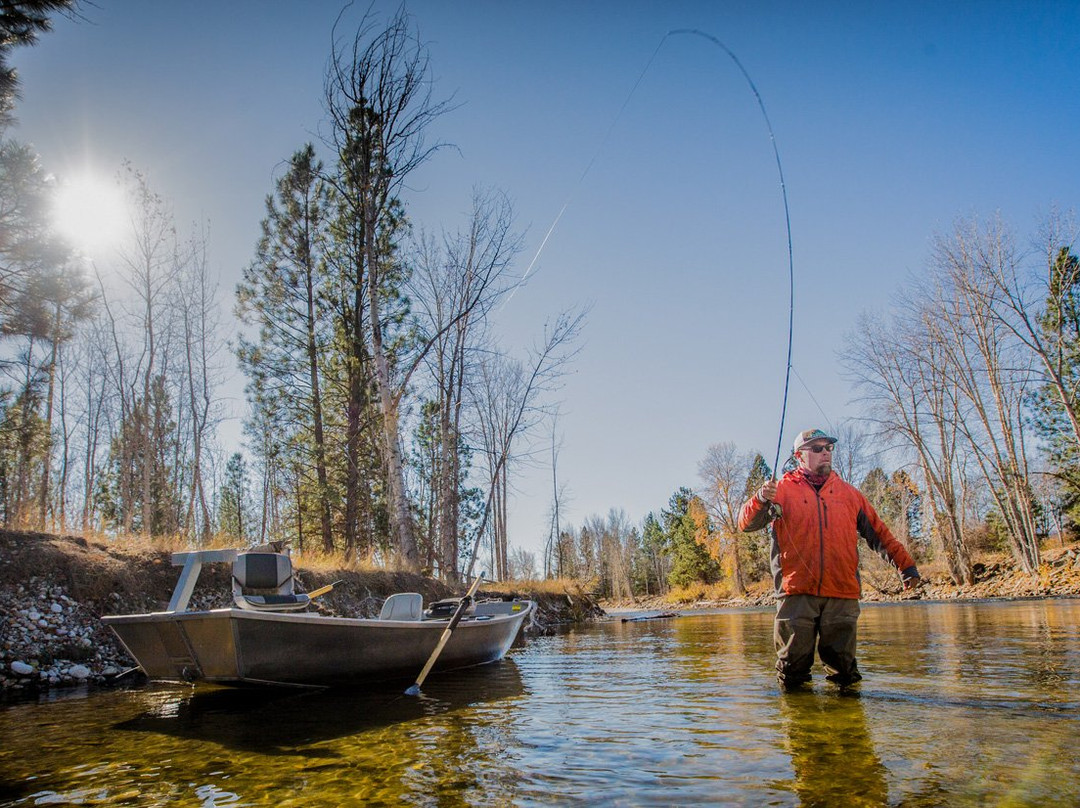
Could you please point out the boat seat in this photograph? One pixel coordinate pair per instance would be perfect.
(264, 582)
(402, 606)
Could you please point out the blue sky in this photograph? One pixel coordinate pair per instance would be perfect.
(891, 122)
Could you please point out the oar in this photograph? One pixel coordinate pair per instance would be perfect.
(459, 612)
(322, 590)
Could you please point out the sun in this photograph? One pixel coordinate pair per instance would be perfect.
(90, 212)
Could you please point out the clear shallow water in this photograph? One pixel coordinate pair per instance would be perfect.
(963, 704)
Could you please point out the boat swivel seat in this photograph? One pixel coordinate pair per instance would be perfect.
(402, 606)
(264, 582)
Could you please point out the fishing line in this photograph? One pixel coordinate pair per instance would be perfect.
(783, 192)
(787, 223)
(585, 173)
(817, 404)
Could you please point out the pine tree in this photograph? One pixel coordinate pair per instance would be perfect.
(20, 24)
(24, 442)
(653, 561)
(684, 526)
(379, 102)
(143, 449)
(233, 501)
(284, 293)
(756, 546)
(54, 299)
(41, 297)
(1056, 405)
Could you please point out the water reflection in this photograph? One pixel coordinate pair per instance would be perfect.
(166, 745)
(274, 721)
(831, 751)
(962, 705)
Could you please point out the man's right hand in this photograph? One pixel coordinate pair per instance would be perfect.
(767, 492)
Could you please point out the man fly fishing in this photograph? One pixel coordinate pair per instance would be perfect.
(817, 519)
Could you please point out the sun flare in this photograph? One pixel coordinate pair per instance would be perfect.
(90, 212)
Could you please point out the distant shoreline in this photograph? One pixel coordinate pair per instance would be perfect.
(996, 578)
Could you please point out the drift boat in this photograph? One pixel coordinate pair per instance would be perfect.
(267, 637)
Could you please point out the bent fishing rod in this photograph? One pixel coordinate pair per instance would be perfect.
(787, 223)
(783, 192)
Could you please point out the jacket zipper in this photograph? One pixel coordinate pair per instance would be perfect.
(822, 521)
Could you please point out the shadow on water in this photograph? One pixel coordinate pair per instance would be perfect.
(277, 721)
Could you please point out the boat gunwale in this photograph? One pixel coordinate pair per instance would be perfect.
(312, 618)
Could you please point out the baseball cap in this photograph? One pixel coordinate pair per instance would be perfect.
(808, 435)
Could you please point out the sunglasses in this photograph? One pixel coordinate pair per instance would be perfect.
(823, 447)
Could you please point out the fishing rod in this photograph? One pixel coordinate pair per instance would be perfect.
(787, 221)
(783, 191)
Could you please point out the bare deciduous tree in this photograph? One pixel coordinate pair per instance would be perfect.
(900, 372)
(150, 264)
(558, 497)
(507, 406)
(455, 285)
(1020, 301)
(522, 565)
(991, 370)
(854, 452)
(724, 470)
(202, 346)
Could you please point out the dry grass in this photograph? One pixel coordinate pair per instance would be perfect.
(141, 543)
(312, 559)
(699, 592)
(319, 561)
(935, 570)
(553, 586)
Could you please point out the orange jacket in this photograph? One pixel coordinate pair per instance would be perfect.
(815, 537)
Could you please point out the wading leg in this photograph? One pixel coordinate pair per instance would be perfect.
(795, 634)
(836, 644)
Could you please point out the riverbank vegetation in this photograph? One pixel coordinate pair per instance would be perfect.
(385, 419)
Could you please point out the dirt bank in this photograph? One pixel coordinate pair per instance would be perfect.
(54, 588)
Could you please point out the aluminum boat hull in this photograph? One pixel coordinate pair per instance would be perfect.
(238, 646)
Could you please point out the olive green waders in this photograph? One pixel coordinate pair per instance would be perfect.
(805, 621)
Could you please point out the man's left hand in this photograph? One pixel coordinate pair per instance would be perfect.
(913, 583)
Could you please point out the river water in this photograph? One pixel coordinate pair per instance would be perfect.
(967, 704)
